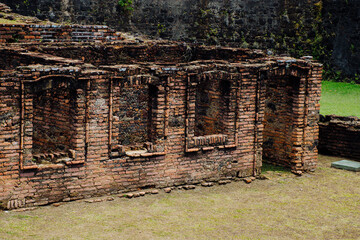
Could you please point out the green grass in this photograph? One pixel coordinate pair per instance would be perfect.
(7, 21)
(266, 167)
(321, 205)
(340, 99)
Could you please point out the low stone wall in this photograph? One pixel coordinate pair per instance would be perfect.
(56, 33)
(340, 136)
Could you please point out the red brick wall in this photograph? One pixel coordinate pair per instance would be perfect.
(101, 174)
(157, 51)
(130, 110)
(52, 122)
(291, 113)
(10, 33)
(166, 122)
(340, 136)
(212, 100)
(281, 92)
(310, 133)
(9, 135)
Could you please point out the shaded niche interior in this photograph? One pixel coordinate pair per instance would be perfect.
(212, 107)
(282, 95)
(53, 112)
(134, 114)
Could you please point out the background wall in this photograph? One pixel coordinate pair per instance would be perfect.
(340, 136)
(326, 29)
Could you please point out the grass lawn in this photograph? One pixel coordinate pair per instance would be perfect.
(340, 99)
(321, 205)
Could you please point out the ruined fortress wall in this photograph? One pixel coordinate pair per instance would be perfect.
(142, 116)
(341, 22)
(224, 21)
(340, 136)
(175, 159)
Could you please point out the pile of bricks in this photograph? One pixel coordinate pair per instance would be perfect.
(340, 136)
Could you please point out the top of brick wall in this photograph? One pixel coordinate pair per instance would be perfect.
(12, 33)
(4, 8)
(340, 119)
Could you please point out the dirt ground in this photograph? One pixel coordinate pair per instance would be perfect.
(321, 205)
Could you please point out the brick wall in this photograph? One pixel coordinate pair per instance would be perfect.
(150, 51)
(52, 116)
(56, 33)
(10, 58)
(340, 136)
(212, 102)
(121, 127)
(9, 135)
(131, 117)
(291, 115)
(279, 118)
(329, 29)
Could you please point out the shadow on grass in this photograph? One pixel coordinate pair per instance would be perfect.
(267, 167)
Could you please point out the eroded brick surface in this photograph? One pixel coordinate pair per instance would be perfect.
(340, 136)
(99, 118)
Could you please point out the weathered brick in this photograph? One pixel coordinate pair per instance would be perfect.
(130, 125)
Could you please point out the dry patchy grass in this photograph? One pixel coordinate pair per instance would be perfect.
(14, 18)
(321, 205)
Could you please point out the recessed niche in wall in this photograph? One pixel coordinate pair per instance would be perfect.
(211, 118)
(53, 107)
(211, 107)
(51, 120)
(279, 121)
(137, 116)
